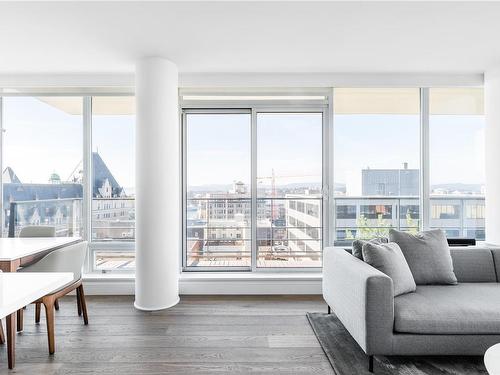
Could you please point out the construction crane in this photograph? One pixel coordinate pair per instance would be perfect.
(274, 213)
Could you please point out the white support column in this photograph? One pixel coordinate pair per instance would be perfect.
(158, 171)
(492, 156)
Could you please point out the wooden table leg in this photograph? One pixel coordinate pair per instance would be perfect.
(2, 335)
(20, 319)
(10, 265)
(11, 339)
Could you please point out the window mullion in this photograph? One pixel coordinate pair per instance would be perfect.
(424, 159)
(1, 167)
(87, 176)
(253, 179)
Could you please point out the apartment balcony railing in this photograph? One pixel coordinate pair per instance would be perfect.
(64, 214)
(366, 217)
(219, 233)
(113, 219)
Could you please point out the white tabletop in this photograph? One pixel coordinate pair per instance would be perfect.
(20, 289)
(15, 248)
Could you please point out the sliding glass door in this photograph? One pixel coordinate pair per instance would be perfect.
(253, 189)
(289, 183)
(217, 212)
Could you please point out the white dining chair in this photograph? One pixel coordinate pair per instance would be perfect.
(66, 259)
(35, 231)
(38, 231)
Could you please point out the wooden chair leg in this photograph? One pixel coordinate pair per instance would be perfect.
(20, 316)
(83, 304)
(56, 304)
(2, 334)
(49, 314)
(79, 301)
(37, 312)
(11, 340)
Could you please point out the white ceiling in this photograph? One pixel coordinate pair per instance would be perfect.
(395, 37)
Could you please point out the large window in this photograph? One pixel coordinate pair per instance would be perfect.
(376, 161)
(54, 146)
(456, 132)
(42, 164)
(113, 183)
(254, 172)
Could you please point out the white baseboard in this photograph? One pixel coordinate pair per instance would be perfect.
(207, 284)
(98, 287)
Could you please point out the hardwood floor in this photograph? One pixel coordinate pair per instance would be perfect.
(201, 335)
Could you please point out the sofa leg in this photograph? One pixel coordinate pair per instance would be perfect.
(370, 363)
(329, 310)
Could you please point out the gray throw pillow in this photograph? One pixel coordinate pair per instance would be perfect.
(389, 259)
(427, 254)
(357, 245)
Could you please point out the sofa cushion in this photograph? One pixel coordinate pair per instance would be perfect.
(496, 259)
(473, 265)
(357, 245)
(466, 308)
(427, 254)
(388, 258)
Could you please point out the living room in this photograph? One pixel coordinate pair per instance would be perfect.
(284, 187)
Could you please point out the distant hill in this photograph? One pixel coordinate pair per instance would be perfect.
(294, 185)
(466, 188)
(212, 187)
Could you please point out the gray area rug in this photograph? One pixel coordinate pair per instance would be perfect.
(347, 358)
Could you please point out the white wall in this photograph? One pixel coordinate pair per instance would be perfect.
(492, 157)
(249, 80)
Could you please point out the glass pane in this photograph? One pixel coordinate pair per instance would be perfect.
(289, 181)
(108, 260)
(218, 207)
(376, 161)
(113, 180)
(42, 179)
(113, 172)
(457, 161)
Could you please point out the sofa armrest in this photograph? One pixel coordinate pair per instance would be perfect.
(362, 297)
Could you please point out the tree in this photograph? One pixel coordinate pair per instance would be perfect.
(366, 231)
(380, 229)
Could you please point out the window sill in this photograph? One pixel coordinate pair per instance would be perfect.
(212, 283)
(210, 275)
(263, 276)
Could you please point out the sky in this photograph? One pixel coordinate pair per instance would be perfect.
(219, 147)
(40, 139)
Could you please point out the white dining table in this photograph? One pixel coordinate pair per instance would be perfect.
(20, 289)
(18, 251)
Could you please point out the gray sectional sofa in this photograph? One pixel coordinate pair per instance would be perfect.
(462, 319)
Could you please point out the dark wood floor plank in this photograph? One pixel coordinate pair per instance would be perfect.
(195, 320)
(199, 369)
(167, 341)
(175, 355)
